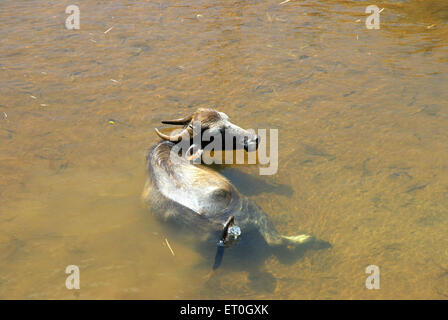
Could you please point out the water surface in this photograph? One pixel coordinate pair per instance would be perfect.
(363, 153)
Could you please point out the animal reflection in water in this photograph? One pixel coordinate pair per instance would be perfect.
(189, 195)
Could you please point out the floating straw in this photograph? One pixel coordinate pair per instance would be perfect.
(168, 244)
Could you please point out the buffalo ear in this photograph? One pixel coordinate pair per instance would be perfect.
(225, 230)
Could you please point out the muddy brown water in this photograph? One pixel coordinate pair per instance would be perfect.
(363, 154)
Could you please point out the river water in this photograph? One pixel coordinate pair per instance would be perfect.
(363, 154)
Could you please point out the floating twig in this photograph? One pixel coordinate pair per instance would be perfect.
(286, 1)
(168, 244)
(108, 30)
